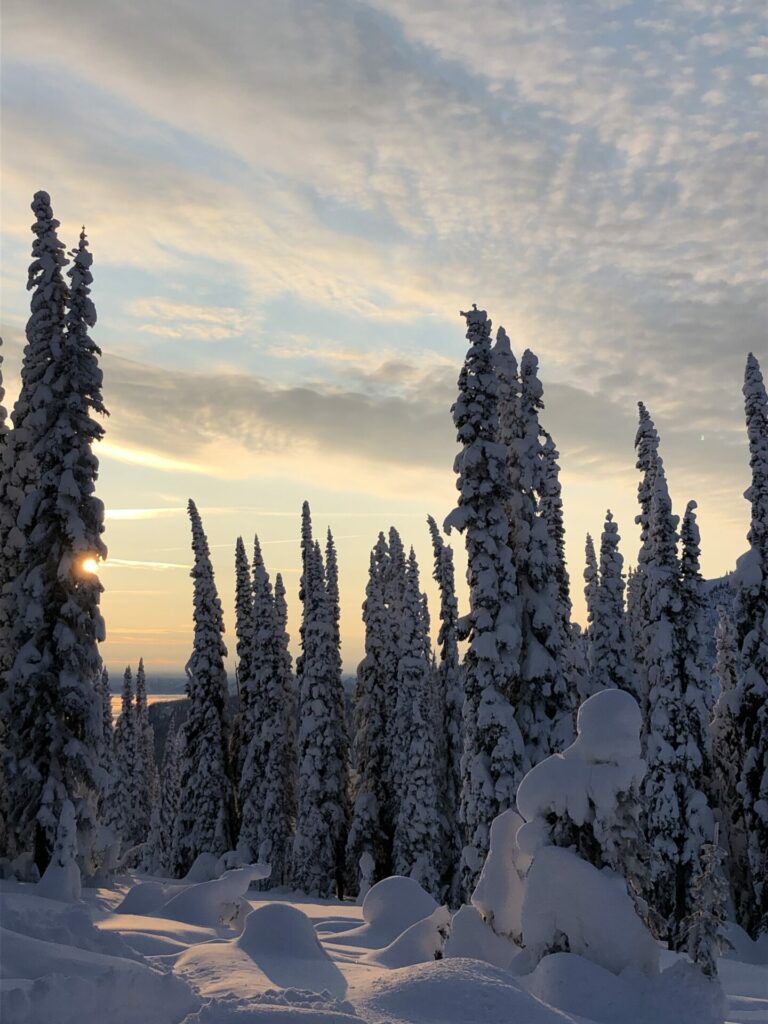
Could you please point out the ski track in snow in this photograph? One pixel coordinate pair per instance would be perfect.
(288, 959)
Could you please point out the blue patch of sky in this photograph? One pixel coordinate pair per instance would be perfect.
(114, 129)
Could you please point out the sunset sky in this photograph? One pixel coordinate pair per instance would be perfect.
(288, 204)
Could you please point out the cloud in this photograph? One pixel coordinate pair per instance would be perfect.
(336, 201)
(185, 320)
(131, 563)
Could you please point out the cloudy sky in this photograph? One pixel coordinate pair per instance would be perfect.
(289, 203)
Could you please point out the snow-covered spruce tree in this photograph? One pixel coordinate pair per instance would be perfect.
(369, 845)
(6, 521)
(634, 615)
(125, 801)
(285, 670)
(678, 818)
(145, 738)
(332, 588)
(727, 759)
(417, 843)
(591, 585)
(413, 669)
(268, 783)
(611, 657)
(307, 543)
(53, 701)
(254, 699)
(158, 855)
(450, 683)
(106, 749)
(205, 819)
(418, 835)
(394, 595)
(647, 449)
(751, 621)
(323, 802)
(693, 645)
(244, 648)
(279, 749)
(281, 611)
(243, 611)
(492, 758)
(551, 509)
(170, 794)
(44, 333)
(544, 704)
(706, 934)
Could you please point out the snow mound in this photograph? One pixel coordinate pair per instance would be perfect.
(59, 923)
(204, 869)
(471, 937)
(46, 981)
(744, 949)
(419, 944)
(282, 942)
(61, 882)
(389, 908)
(278, 929)
(291, 1006)
(207, 866)
(566, 896)
(215, 903)
(455, 992)
(680, 995)
(278, 946)
(143, 898)
(500, 890)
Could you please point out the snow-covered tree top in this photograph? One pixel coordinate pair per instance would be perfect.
(45, 326)
(690, 537)
(3, 410)
(474, 315)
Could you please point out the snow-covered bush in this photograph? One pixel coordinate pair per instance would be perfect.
(582, 833)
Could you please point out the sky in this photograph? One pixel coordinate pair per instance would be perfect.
(289, 204)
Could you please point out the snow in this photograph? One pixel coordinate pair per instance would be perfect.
(500, 890)
(566, 895)
(454, 992)
(419, 944)
(389, 908)
(209, 904)
(471, 937)
(582, 988)
(298, 961)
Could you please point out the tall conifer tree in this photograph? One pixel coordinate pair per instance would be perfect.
(450, 680)
(369, 845)
(751, 620)
(323, 810)
(204, 823)
(493, 756)
(611, 656)
(53, 699)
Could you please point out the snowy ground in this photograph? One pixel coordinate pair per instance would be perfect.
(157, 953)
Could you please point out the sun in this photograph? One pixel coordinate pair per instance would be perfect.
(90, 565)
